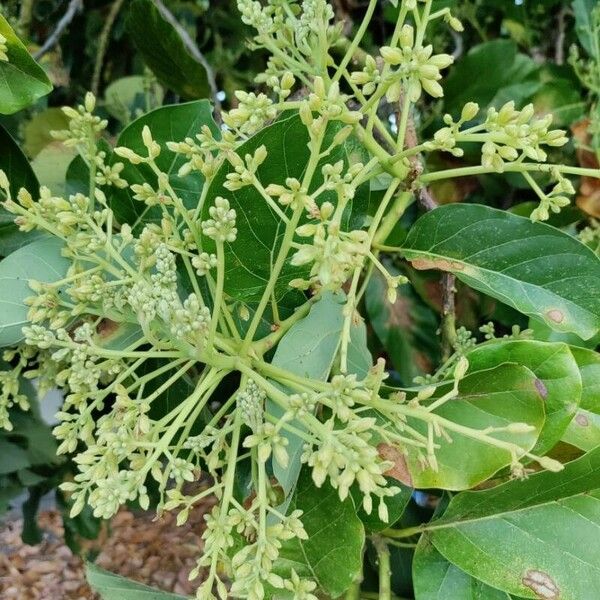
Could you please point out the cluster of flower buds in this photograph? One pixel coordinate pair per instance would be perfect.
(518, 133)
(445, 139)
(84, 126)
(244, 170)
(251, 114)
(418, 68)
(556, 199)
(221, 226)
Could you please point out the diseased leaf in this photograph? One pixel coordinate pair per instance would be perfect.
(168, 123)
(164, 52)
(487, 398)
(23, 81)
(535, 268)
(536, 538)
(583, 431)
(558, 379)
(435, 578)
(113, 587)
(41, 261)
(332, 554)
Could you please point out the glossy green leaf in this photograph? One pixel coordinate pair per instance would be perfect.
(260, 230)
(125, 98)
(332, 554)
(407, 329)
(36, 132)
(434, 578)
(20, 174)
(40, 261)
(487, 398)
(51, 165)
(164, 52)
(308, 349)
(559, 380)
(115, 587)
(535, 268)
(536, 538)
(168, 123)
(22, 80)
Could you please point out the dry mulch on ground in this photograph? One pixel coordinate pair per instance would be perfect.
(157, 553)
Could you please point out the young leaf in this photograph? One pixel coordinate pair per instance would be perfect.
(168, 123)
(24, 81)
(558, 379)
(249, 259)
(487, 398)
(435, 578)
(536, 538)
(535, 268)
(164, 52)
(332, 554)
(111, 587)
(41, 261)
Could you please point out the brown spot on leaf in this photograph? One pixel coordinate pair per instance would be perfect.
(556, 315)
(541, 584)
(423, 264)
(399, 471)
(541, 388)
(582, 420)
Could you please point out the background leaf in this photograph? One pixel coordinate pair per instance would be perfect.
(164, 52)
(168, 123)
(535, 268)
(41, 261)
(23, 80)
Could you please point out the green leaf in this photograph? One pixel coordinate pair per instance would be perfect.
(406, 329)
(41, 261)
(168, 123)
(332, 554)
(51, 165)
(308, 349)
(20, 174)
(487, 398)
(503, 67)
(13, 457)
(23, 80)
(164, 52)
(583, 24)
(537, 538)
(558, 379)
(126, 97)
(36, 132)
(260, 230)
(115, 587)
(535, 268)
(435, 578)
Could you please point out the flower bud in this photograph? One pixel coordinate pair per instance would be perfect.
(469, 111)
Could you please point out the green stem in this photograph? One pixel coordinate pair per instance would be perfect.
(385, 570)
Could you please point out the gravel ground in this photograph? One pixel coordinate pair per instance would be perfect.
(157, 553)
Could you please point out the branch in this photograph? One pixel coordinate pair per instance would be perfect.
(193, 49)
(74, 7)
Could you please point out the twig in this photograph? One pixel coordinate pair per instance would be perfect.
(74, 7)
(428, 202)
(193, 49)
(25, 16)
(559, 57)
(103, 44)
